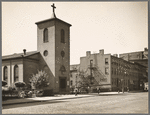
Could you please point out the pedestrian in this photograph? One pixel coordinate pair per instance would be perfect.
(98, 90)
(118, 90)
(76, 91)
(128, 89)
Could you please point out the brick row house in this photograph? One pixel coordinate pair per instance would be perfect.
(112, 72)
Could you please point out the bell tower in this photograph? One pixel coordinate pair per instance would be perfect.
(53, 43)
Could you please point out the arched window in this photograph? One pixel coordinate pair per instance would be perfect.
(45, 35)
(63, 69)
(62, 36)
(5, 77)
(16, 73)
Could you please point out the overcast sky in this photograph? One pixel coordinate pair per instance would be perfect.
(116, 27)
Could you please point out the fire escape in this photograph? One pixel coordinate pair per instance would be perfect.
(96, 75)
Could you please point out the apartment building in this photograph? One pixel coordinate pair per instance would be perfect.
(110, 72)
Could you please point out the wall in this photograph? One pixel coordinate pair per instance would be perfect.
(49, 46)
(44, 67)
(98, 67)
(74, 75)
(30, 67)
(10, 65)
(59, 60)
(143, 62)
(132, 56)
(130, 73)
(53, 61)
(120, 70)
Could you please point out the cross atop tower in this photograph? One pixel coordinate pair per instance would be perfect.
(53, 7)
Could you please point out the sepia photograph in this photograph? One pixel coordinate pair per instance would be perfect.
(74, 57)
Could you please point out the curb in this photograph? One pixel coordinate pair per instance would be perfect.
(34, 101)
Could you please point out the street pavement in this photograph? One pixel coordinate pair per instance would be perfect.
(92, 103)
(55, 97)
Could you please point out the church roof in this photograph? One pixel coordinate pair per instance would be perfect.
(53, 18)
(19, 55)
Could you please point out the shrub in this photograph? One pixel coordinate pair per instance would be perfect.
(40, 80)
(48, 92)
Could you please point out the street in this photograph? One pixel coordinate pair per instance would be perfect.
(126, 103)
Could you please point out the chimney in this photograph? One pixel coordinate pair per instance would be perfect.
(116, 55)
(101, 51)
(24, 50)
(145, 49)
(88, 53)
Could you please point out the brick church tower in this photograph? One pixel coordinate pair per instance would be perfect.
(53, 43)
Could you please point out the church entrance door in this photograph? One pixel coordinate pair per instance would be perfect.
(62, 84)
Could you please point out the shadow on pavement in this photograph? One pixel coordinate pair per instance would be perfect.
(31, 104)
(138, 91)
(113, 94)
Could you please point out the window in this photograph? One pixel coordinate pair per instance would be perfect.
(16, 73)
(62, 69)
(62, 36)
(62, 53)
(112, 71)
(91, 63)
(45, 35)
(106, 71)
(71, 82)
(45, 53)
(5, 77)
(106, 60)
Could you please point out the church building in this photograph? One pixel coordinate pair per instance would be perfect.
(52, 56)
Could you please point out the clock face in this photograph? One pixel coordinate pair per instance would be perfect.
(45, 53)
(62, 53)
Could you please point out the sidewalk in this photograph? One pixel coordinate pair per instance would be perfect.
(56, 97)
